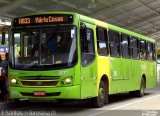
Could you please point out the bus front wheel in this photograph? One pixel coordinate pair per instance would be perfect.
(102, 97)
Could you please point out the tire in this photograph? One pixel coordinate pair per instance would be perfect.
(102, 97)
(141, 91)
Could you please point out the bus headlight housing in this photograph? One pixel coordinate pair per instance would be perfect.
(67, 81)
(13, 81)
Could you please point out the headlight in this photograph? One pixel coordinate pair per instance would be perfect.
(13, 81)
(68, 80)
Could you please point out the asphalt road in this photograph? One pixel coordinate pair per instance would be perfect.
(121, 104)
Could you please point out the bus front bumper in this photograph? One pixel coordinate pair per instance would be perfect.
(51, 93)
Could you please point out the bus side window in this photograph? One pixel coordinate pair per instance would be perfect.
(87, 46)
(149, 51)
(134, 48)
(153, 52)
(143, 49)
(102, 41)
(114, 40)
(125, 43)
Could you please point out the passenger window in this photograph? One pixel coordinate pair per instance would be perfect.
(87, 46)
(125, 43)
(114, 38)
(153, 51)
(134, 48)
(143, 49)
(149, 51)
(102, 41)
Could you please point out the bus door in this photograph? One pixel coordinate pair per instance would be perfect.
(115, 61)
(88, 71)
(126, 62)
(152, 65)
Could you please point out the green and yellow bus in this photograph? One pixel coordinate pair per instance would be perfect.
(65, 55)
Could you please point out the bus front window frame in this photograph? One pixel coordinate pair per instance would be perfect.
(41, 66)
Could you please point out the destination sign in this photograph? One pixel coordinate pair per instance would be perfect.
(43, 20)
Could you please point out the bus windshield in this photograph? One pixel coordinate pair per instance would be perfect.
(43, 48)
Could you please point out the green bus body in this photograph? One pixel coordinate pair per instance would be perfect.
(118, 74)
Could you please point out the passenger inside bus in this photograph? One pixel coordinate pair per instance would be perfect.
(51, 48)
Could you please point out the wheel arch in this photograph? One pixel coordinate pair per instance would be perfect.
(105, 79)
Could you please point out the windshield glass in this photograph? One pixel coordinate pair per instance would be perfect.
(45, 48)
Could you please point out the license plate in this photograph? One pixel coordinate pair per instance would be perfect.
(39, 93)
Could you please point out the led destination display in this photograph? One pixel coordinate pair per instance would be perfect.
(43, 20)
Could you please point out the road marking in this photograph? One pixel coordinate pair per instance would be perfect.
(115, 108)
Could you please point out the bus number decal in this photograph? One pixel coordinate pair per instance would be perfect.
(62, 72)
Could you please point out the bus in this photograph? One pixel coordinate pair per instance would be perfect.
(66, 55)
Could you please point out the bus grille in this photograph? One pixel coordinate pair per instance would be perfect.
(39, 83)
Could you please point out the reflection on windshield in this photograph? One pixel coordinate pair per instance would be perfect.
(44, 48)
